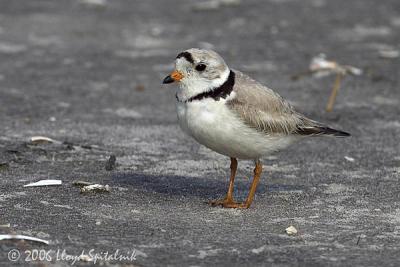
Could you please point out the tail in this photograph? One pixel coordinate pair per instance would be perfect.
(321, 130)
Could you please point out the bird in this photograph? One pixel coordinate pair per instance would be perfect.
(234, 115)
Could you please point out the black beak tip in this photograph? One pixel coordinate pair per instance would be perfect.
(168, 79)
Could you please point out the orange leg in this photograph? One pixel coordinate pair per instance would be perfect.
(228, 201)
(253, 187)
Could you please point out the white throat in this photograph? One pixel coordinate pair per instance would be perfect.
(191, 87)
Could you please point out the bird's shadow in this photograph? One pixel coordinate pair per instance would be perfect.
(202, 187)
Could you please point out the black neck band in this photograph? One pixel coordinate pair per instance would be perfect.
(223, 91)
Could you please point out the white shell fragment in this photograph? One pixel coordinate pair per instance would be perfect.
(389, 53)
(95, 188)
(320, 62)
(352, 70)
(44, 183)
(94, 2)
(23, 237)
(349, 158)
(259, 250)
(320, 65)
(42, 140)
(291, 230)
(214, 4)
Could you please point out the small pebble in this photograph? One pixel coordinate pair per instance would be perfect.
(291, 230)
(95, 188)
(4, 166)
(111, 163)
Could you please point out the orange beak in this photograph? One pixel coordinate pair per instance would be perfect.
(175, 76)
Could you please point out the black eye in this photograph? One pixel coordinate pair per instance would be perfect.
(200, 67)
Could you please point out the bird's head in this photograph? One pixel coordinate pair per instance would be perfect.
(198, 71)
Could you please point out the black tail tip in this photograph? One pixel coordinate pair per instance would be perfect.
(322, 130)
(342, 134)
(334, 132)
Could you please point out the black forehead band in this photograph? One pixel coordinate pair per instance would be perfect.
(187, 56)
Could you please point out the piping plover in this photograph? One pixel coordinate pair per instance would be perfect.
(232, 114)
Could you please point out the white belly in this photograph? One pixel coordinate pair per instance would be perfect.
(212, 124)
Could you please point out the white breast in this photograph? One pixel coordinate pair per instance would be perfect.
(214, 125)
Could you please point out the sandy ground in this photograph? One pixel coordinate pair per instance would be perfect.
(88, 74)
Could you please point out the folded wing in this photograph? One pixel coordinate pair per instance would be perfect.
(261, 108)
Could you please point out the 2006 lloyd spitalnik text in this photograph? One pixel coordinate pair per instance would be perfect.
(90, 255)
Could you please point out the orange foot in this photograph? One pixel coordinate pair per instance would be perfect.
(229, 203)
